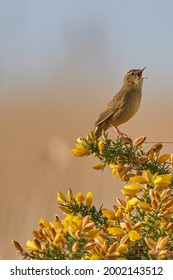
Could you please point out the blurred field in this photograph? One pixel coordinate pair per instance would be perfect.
(35, 140)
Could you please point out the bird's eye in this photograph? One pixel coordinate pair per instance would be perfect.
(132, 73)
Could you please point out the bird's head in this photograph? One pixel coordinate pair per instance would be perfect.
(134, 78)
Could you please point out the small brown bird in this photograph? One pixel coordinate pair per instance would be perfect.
(124, 104)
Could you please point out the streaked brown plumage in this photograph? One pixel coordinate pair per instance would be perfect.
(124, 104)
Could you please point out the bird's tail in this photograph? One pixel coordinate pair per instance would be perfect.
(99, 130)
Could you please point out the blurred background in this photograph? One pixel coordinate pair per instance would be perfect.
(61, 61)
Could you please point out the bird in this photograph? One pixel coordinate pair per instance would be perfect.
(123, 106)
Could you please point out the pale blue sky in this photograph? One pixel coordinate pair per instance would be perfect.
(49, 41)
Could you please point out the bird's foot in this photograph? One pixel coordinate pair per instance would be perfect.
(124, 137)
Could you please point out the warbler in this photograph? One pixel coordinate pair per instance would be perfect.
(124, 104)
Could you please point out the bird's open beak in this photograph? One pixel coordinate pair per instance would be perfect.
(140, 72)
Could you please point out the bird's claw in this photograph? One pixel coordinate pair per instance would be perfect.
(125, 138)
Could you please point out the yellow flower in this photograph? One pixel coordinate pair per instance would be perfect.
(134, 235)
(61, 197)
(138, 179)
(70, 194)
(80, 197)
(81, 142)
(59, 240)
(99, 166)
(64, 209)
(119, 213)
(92, 233)
(148, 176)
(122, 249)
(100, 145)
(71, 218)
(112, 165)
(89, 199)
(59, 237)
(131, 190)
(119, 171)
(45, 223)
(128, 208)
(95, 257)
(79, 152)
(156, 179)
(130, 203)
(72, 223)
(58, 225)
(115, 231)
(162, 180)
(31, 246)
(133, 201)
(81, 148)
(108, 214)
(116, 170)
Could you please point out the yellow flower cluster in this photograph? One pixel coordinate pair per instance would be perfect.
(126, 165)
(140, 225)
(81, 148)
(133, 220)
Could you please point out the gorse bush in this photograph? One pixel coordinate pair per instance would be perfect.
(140, 226)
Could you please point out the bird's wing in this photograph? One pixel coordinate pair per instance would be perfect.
(111, 108)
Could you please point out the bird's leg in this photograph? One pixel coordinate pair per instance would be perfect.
(122, 135)
(119, 132)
